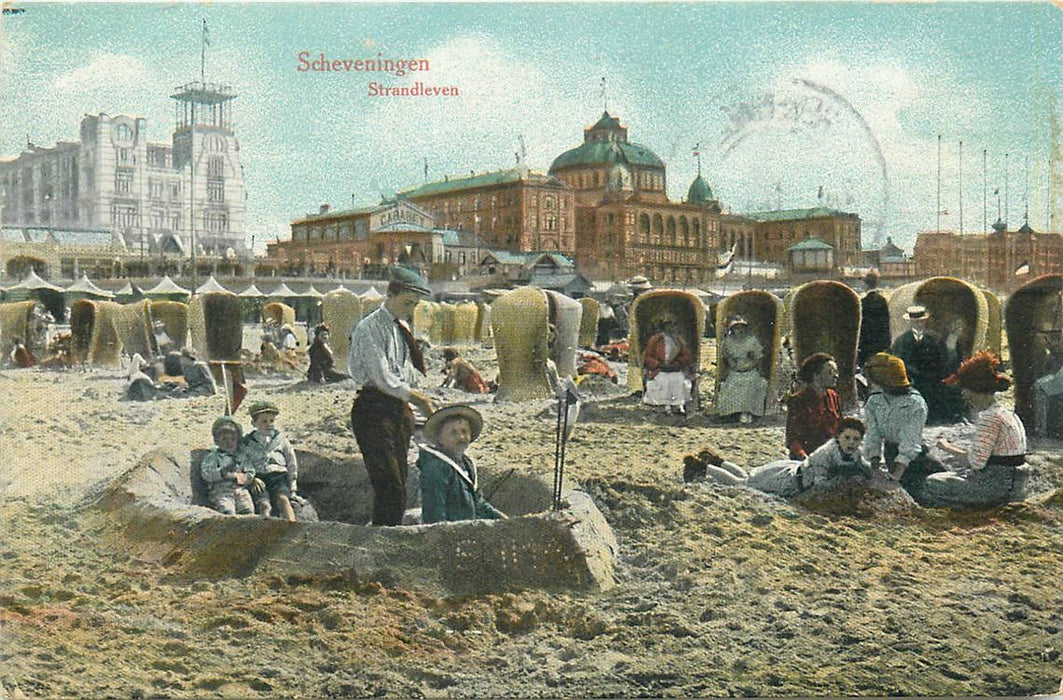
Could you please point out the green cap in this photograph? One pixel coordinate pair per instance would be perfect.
(410, 279)
(225, 422)
(262, 407)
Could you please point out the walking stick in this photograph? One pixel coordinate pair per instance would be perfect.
(228, 399)
(557, 456)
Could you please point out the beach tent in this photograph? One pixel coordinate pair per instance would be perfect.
(253, 300)
(211, 285)
(33, 287)
(168, 289)
(130, 292)
(84, 288)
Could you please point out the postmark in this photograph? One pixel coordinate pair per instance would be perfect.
(803, 144)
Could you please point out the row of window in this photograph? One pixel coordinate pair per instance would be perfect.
(126, 216)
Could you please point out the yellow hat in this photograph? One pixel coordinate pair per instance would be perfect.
(887, 371)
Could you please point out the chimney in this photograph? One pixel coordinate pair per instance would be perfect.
(324, 209)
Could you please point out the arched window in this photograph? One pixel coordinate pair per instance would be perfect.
(684, 232)
(671, 231)
(644, 228)
(658, 229)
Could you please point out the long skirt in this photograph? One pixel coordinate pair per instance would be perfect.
(668, 389)
(742, 392)
(989, 486)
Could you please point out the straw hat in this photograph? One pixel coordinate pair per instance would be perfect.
(437, 419)
(916, 313)
(887, 371)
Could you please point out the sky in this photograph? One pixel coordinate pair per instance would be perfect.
(789, 104)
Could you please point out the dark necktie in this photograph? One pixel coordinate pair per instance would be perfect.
(415, 350)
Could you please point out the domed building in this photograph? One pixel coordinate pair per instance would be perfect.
(625, 223)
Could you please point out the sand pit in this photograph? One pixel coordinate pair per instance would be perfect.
(154, 505)
(718, 591)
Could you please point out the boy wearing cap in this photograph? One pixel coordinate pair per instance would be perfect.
(382, 360)
(273, 459)
(449, 489)
(226, 473)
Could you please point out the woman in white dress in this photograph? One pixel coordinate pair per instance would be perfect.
(743, 389)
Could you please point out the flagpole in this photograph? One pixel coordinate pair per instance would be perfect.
(985, 192)
(1006, 182)
(961, 188)
(939, 186)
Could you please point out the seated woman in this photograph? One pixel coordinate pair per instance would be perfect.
(21, 357)
(837, 458)
(743, 389)
(813, 412)
(667, 367)
(999, 450)
(199, 381)
(449, 488)
(321, 359)
(461, 373)
(896, 415)
(140, 386)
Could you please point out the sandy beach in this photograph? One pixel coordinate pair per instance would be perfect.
(721, 591)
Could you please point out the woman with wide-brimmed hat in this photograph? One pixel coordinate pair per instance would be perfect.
(896, 415)
(997, 457)
(449, 486)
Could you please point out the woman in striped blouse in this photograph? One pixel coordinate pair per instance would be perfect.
(997, 459)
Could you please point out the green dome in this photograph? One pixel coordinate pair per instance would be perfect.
(597, 152)
(699, 191)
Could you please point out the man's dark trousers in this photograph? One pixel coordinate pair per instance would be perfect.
(383, 426)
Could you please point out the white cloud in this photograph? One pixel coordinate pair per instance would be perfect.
(501, 97)
(102, 72)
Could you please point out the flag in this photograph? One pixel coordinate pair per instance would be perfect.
(996, 191)
(820, 195)
(1023, 269)
(232, 380)
(206, 33)
(727, 263)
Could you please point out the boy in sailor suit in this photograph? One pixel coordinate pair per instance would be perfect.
(449, 489)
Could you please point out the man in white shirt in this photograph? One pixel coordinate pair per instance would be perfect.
(382, 358)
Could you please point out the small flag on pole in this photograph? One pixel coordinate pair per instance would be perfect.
(727, 263)
(206, 33)
(1023, 269)
(820, 195)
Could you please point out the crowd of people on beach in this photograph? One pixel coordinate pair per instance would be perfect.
(911, 381)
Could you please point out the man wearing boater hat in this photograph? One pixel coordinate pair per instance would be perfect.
(382, 361)
(926, 361)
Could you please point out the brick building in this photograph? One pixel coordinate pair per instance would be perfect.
(516, 209)
(989, 259)
(625, 223)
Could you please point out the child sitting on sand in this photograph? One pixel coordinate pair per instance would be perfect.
(227, 474)
(273, 459)
(449, 488)
(839, 457)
